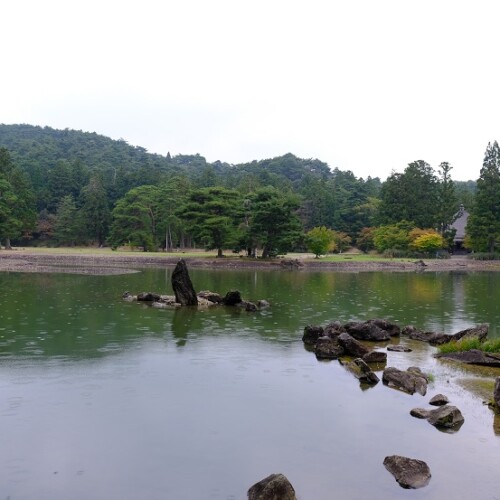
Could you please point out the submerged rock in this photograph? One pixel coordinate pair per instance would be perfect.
(362, 372)
(408, 472)
(412, 380)
(398, 348)
(273, 487)
(419, 413)
(377, 357)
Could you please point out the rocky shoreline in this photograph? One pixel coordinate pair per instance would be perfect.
(123, 263)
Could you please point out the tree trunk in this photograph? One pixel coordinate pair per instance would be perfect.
(7, 244)
(219, 253)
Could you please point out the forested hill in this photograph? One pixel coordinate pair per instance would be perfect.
(39, 149)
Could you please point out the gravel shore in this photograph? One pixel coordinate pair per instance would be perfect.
(31, 261)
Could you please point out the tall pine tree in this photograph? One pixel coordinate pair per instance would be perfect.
(483, 225)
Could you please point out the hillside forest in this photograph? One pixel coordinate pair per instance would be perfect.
(68, 188)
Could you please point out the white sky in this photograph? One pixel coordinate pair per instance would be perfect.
(367, 85)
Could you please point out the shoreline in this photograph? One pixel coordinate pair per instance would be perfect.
(71, 262)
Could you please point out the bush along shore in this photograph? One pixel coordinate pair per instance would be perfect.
(349, 343)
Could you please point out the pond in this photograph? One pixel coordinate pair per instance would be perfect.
(102, 398)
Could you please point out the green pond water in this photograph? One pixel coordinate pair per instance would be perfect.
(105, 399)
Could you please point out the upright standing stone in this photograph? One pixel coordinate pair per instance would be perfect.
(183, 288)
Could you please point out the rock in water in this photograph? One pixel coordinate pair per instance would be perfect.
(496, 394)
(408, 472)
(412, 380)
(273, 487)
(446, 417)
(183, 288)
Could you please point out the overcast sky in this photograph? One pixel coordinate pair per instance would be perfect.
(367, 85)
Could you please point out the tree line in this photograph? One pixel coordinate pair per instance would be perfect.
(75, 188)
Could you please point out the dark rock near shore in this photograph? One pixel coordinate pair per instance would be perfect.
(312, 334)
(412, 380)
(328, 348)
(351, 346)
(232, 298)
(496, 395)
(479, 331)
(439, 400)
(366, 331)
(473, 357)
(334, 329)
(362, 372)
(438, 338)
(378, 357)
(148, 297)
(183, 288)
(408, 472)
(273, 487)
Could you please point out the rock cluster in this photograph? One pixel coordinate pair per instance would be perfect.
(185, 295)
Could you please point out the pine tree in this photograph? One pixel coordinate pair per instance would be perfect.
(483, 225)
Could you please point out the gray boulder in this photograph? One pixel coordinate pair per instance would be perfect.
(351, 346)
(328, 348)
(183, 288)
(408, 472)
(446, 417)
(362, 372)
(366, 331)
(273, 487)
(439, 400)
(412, 380)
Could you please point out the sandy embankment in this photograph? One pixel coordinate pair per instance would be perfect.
(122, 262)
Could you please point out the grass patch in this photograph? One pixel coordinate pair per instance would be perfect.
(467, 344)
